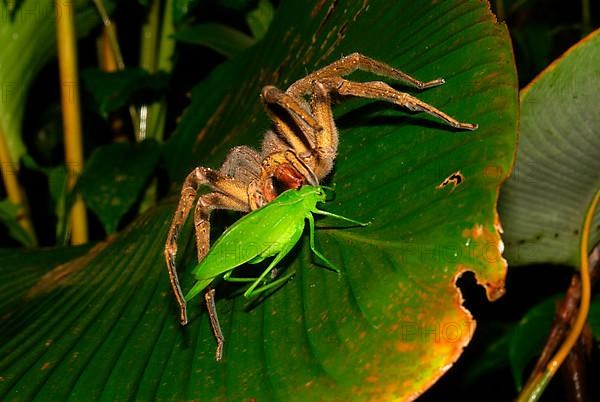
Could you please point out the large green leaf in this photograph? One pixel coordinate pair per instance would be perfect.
(28, 41)
(543, 204)
(393, 321)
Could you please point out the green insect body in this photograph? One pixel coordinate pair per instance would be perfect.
(272, 230)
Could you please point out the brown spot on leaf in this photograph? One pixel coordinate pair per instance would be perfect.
(62, 274)
(324, 20)
(317, 8)
(372, 379)
(404, 347)
(342, 31)
(455, 179)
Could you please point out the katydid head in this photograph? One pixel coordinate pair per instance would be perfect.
(311, 195)
(331, 192)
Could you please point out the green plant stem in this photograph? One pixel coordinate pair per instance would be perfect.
(586, 24)
(167, 43)
(148, 50)
(166, 47)
(148, 42)
(71, 113)
(156, 56)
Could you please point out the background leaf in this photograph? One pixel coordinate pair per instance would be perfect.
(495, 354)
(114, 90)
(114, 177)
(517, 344)
(557, 164)
(8, 217)
(57, 185)
(32, 27)
(181, 8)
(218, 37)
(236, 4)
(386, 328)
(260, 18)
(528, 337)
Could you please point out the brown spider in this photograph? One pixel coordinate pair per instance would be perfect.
(300, 149)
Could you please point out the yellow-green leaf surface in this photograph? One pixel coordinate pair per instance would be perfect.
(392, 322)
(557, 172)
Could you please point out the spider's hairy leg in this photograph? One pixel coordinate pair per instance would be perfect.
(326, 143)
(382, 91)
(209, 297)
(198, 177)
(300, 114)
(351, 63)
(205, 205)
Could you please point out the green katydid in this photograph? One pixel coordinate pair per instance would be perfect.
(272, 230)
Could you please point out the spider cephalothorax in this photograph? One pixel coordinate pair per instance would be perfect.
(300, 149)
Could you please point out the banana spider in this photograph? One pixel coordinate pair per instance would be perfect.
(300, 149)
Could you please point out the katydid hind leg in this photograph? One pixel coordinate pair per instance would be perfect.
(311, 222)
(272, 265)
(268, 285)
(236, 279)
(271, 285)
(209, 297)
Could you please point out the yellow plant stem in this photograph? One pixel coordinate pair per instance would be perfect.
(108, 61)
(110, 33)
(9, 171)
(535, 387)
(69, 85)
